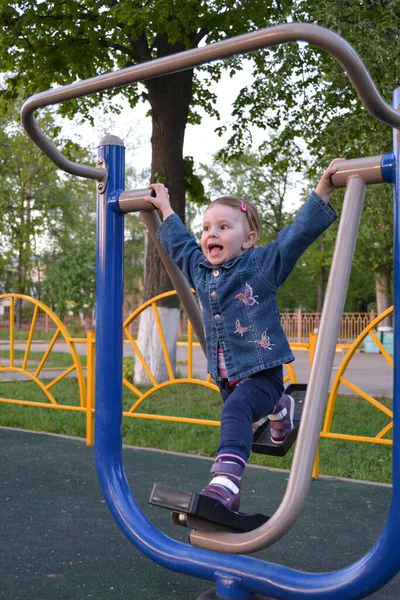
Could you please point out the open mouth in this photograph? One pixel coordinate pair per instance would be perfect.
(214, 249)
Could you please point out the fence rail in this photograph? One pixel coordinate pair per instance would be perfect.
(298, 325)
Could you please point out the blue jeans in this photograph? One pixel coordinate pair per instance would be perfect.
(253, 398)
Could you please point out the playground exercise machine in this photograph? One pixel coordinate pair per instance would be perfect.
(212, 555)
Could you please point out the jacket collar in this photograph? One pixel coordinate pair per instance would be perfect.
(205, 263)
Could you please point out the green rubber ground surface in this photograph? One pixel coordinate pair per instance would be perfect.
(58, 541)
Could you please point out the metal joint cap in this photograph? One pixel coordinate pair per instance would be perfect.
(113, 202)
(388, 167)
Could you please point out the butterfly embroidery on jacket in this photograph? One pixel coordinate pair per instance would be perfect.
(248, 297)
(240, 329)
(265, 342)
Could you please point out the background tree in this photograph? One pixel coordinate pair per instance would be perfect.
(69, 258)
(35, 203)
(135, 250)
(375, 245)
(70, 277)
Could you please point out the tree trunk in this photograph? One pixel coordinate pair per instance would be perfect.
(23, 256)
(20, 287)
(383, 296)
(169, 98)
(321, 282)
(321, 289)
(149, 344)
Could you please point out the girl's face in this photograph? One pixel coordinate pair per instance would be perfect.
(226, 234)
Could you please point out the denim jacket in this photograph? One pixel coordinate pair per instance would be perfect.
(238, 298)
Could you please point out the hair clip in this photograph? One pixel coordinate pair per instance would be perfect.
(243, 205)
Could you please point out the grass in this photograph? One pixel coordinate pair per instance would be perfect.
(43, 336)
(42, 419)
(22, 334)
(366, 461)
(55, 359)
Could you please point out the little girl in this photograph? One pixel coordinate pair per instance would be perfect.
(236, 283)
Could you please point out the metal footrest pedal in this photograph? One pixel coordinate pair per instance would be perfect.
(196, 511)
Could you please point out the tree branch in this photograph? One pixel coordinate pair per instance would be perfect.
(123, 49)
(140, 48)
(196, 38)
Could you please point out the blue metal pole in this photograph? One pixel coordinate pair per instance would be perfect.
(109, 308)
(236, 577)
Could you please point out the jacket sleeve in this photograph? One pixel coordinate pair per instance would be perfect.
(277, 259)
(180, 245)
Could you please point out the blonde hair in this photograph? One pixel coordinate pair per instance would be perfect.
(245, 207)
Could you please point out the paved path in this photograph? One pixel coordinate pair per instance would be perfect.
(370, 372)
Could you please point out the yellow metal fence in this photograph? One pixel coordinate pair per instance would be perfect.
(85, 403)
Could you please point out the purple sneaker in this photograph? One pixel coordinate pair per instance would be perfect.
(281, 420)
(225, 485)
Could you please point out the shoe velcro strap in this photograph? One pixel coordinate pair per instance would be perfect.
(224, 482)
(278, 416)
(217, 490)
(227, 468)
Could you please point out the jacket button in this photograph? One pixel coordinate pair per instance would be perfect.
(217, 318)
(213, 295)
(215, 273)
